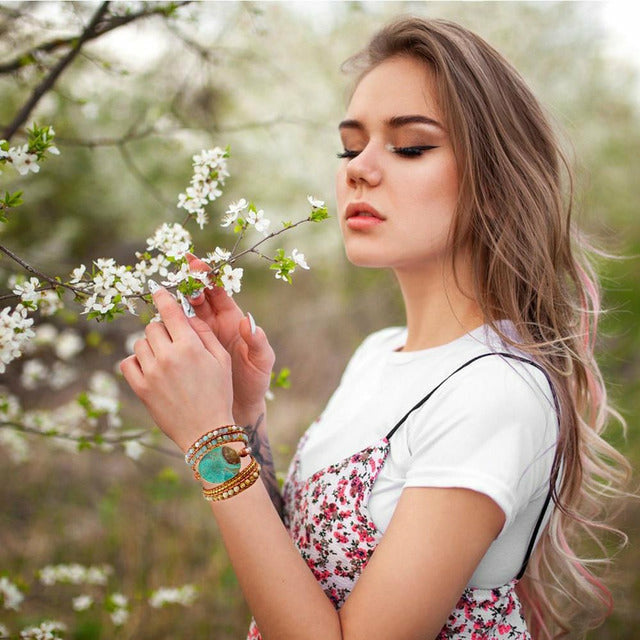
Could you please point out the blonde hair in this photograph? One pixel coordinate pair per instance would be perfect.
(530, 265)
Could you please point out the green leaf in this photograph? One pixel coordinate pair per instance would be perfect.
(317, 215)
(283, 379)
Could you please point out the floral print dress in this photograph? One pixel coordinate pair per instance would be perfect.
(327, 518)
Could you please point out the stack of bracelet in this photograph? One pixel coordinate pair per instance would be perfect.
(212, 460)
(234, 486)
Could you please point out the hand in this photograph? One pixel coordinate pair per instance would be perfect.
(251, 354)
(181, 373)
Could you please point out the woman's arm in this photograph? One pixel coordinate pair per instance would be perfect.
(433, 543)
(255, 424)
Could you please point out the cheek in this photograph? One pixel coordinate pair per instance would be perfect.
(340, 186)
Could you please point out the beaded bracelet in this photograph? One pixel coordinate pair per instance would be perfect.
(235, 485)
(219, 462)
(219, 434)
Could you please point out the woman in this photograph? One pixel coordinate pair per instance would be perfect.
(462, 449)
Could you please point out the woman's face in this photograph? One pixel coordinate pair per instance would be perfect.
(397, 185)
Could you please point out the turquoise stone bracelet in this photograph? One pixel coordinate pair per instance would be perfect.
(219, 464)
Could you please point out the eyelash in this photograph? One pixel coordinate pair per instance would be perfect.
(407, 152)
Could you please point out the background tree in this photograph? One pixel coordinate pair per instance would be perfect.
(156, 83)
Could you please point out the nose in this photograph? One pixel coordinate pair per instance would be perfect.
(365, 168)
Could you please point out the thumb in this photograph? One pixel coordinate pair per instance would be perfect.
(260, 351)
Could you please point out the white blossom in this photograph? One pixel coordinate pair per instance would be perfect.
(133, 449)
(171, 239)
(184, 595)
(104, 263)
(119, 617)
(233, 211)
(27, 290)
(23, 161)
(15, 444)
(15, 332)
(257, 219)
(201, 219)
(11, 596)
(131, 340)
(82, 602)
(231, 279)
(49, 303)
(45, 334)
(174, 278)
(68, 345)
(218, 255)
(315, 203)
(34, 372)
(119, 614)
(298, 258)
(62, 375)
(103, 392)
(77, 273)
(4, 631)
(48, 630)
(74, 574)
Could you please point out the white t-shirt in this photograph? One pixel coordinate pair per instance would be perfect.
(492, 428)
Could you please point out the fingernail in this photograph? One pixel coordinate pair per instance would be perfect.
(195, 295)
(252, 323)
(186, 306)
(152, 285)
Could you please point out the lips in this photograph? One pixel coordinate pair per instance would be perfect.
(362, 210)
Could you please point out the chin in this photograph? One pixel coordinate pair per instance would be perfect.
(365, 259)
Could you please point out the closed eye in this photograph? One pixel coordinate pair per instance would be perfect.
(407, 152)
(348, 153)
(411, 152)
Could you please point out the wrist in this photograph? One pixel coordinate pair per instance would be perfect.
(245, 415)
(187, 441)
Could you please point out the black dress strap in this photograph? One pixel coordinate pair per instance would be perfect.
(557, 407)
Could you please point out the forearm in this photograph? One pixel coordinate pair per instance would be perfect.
(254, 422)
(279, 587)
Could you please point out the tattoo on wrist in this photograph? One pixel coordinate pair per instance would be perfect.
(261, 451)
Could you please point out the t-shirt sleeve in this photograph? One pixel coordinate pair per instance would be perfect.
(492, 428)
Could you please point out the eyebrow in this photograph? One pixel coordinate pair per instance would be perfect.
(395, 122)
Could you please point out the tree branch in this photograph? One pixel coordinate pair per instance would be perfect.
(16, 426)
(29, 57)
(40, 275)
(50, 80)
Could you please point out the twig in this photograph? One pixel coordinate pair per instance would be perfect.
(271, 235)
(52, 45)
(50, 80)
(81, 439)
(106, 142)
(144, 181)
(40, 275)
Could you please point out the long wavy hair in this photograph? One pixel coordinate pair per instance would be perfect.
(531, 266)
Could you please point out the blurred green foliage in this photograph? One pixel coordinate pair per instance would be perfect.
(264, 78)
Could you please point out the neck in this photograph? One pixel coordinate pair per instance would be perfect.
(438, 311)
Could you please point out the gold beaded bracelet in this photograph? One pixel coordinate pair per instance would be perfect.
(235, 485)
(229, 485)
(215, 435)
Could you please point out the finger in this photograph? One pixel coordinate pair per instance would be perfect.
(221, 302)
(157, 336)
(172, 315)
(144, 354)
(195, 264)
(209, 339)
(260, 352)
(132, 372)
